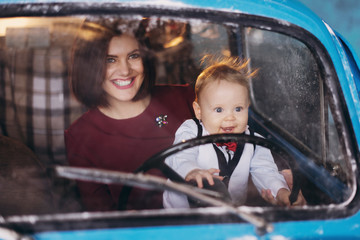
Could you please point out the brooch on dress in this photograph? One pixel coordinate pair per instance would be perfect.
(161, 120)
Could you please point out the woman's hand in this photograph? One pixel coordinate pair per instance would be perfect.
(199, 174)
(300, 201)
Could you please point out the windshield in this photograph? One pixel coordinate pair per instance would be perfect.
(39, 100)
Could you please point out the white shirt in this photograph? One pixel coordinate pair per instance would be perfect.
(260, 165)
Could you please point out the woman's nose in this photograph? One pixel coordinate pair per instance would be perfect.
(123, 68)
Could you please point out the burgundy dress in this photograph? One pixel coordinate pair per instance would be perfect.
(95, 140)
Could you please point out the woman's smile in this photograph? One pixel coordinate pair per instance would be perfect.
(123, 83)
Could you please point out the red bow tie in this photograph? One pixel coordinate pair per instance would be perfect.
(231, 146)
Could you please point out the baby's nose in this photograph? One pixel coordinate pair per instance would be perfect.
(230, 117)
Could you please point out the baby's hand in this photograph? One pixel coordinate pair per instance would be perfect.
(199, 174)
(282, 198)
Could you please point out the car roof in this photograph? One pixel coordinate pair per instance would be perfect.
(285, 12)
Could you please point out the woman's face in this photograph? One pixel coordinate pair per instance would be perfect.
(124, 69)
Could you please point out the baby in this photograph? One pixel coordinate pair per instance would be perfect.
(221, 106)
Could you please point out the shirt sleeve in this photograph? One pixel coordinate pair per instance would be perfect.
(264, 171)
(94, 196)
(184, 161)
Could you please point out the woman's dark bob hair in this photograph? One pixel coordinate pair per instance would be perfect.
(88, 65)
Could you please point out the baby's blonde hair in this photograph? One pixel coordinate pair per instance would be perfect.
(232, 69)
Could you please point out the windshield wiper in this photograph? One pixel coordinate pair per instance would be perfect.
(153, 182)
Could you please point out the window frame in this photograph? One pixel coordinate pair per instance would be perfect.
(30, 224)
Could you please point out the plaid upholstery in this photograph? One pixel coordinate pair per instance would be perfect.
(35, 101)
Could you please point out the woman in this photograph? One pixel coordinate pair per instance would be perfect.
(129, 119)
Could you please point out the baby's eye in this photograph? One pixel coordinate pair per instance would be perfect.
(238, 109)
(218, 109)
(110, 60)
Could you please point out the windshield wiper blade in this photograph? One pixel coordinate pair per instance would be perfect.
(154, 182)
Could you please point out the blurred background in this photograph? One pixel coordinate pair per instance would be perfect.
(341, 15)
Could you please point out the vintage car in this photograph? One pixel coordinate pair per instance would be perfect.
(304, 102)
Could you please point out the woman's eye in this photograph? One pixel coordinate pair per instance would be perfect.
(134, 56)
(218, 109)
(110, 60)
(238, 109)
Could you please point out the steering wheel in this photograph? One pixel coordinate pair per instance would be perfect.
(158, 160)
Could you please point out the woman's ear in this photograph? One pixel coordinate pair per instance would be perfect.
(197, 110)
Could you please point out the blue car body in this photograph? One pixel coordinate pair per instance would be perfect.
(283, 13)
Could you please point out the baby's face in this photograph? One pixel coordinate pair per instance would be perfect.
(223, 107)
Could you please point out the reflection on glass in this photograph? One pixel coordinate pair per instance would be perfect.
(287, 89)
